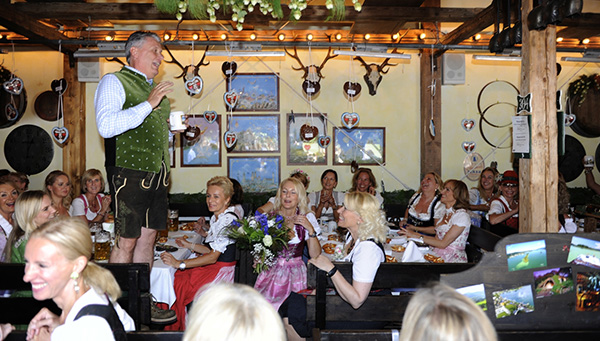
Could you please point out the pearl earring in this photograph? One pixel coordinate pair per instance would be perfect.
(74, 277)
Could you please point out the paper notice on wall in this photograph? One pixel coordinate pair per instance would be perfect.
(520, 134)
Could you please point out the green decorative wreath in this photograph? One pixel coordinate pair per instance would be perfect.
(582, 85)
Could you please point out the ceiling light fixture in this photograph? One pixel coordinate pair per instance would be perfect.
(372, 54)
(505, 58)
(245, 53)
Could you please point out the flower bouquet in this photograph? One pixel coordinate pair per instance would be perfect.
(265, 235)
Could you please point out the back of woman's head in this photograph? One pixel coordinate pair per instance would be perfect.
(299, 188)
(238, 193)
(440, 313)
(72, 237)
(302, 176)
(373, 218)
(27, 207)
(228, 311)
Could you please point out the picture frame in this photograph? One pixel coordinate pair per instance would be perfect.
(255, 174)
(255, 133)
(371, 139)
(257, 91)
(300, 152)
(205, 150)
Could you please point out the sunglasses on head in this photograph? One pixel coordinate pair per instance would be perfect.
(510, 185)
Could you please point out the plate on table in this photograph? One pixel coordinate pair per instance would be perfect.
(433, 258)
(329, 248)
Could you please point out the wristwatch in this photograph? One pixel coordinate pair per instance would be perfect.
(182, 265)
(313, 235)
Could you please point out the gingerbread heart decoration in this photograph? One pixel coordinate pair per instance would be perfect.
(231, 98)
(468, 124)
(324, 141)
(210, 116)
(60, 134)
(59, 86)
(310, 88)
(14, 86)
(230, 139)
(229, 68)
(352, 89)
(308, 132)
(350, 120)
(11, 112)
(194, 86)
(569, 119)
(468, 146)
(192, 133)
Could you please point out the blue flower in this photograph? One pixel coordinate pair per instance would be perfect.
(236, 223)
(263, 221)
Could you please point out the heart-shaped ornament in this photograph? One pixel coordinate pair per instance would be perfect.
(60, 134)
(229, 68)
(14, 86)
(467, 124)
(353, 166)
(192, 132)
(210, 116)
(231, 98)
(308, 132)
(468, 146)
(350, 120)
(59, 86)
(569, 119)
(194, 86)
(11, 112)
(230, 138)
(352, 89)
(310, 88)
(324, 141)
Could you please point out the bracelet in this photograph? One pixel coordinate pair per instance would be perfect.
(313, 235)
(332, 271)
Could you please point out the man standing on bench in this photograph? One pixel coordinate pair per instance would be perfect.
(132, 116)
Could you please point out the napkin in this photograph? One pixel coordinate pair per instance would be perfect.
(398, 240)
(412, 254)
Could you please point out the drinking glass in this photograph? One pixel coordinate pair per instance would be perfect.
(102, 245)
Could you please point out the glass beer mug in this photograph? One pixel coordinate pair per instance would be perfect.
(102, 245)
(173, 220)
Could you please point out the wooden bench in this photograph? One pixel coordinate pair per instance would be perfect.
(323, 308)
(134, 280)
(479, 242)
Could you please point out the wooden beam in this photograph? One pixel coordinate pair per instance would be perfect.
(31, 28)
(74, 155)
(484, 19)
(131, 11)
(538, 185)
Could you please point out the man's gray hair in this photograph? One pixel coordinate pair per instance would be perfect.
(137, 39)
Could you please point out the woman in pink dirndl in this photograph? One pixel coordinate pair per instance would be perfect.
(289, 271)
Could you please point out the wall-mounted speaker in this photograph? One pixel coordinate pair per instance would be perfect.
(88, 70)
(453, 68)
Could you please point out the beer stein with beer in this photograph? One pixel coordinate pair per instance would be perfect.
(102, 245)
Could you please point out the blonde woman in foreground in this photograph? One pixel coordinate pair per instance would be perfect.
(227, 311)
(440, 313)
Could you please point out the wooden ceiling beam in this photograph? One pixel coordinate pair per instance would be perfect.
(31, 28)
(130, 11)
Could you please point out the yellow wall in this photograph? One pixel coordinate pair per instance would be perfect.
(395, 107)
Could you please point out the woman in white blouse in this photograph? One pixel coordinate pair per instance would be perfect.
(91, 205)
(452, 231)
(326, 202)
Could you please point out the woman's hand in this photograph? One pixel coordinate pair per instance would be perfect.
(322, 263)
(303, 221)
(168, 259)
(182, 242)
(5, 329)
(199, 227)
(106, 200)
(404, 231)
(42, 325)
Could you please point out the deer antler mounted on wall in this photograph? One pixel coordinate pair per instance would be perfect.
(312, 73)
(375, 73)
(192, 80)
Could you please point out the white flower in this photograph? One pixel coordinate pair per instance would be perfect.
(253, 223)
(267, 240)
(271, 223)
(241, 230)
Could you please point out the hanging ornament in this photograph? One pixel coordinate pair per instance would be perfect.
(468, 124)
(230, 138)
(569, 119)
(468, 146)
(352, 89)
(194, 85)
(59, 86)
(192, 132)
(11, 112)
(231, 98)
(353, 166)
(324, 141)
(210, 116)
(60, 134)
(310, 88)
(14, 86)
(350, 120)
(308, 132)
(229, 68)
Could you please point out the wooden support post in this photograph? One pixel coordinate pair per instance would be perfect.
(538, 185)
(74, 121)
(431, 103)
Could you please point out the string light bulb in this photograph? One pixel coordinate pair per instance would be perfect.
(585, 41)
(166, 36)
(476, 37)
(109, 37)
(195, 36)
(367, 36)
(309, 37)
(395, 36)
(281, 37)
(338, 36)
(559, 39)
(252, 36)
(422, 36)
(223, 36)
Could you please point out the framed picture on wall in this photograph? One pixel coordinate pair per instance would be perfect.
(172, 151)
(300, 152)
(205, 149)
(255, 174)
(257, 91)
(255, 133)
(365, 145)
